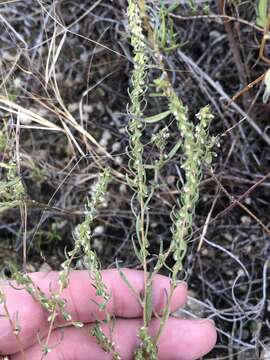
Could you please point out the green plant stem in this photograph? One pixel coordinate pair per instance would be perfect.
(135, 129)
(196, 145)
(54, 313)
(144, 262)
(170, 91)
(15, 332)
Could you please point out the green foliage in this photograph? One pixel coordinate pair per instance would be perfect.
(156, 118)
(3, 140)
(148, 41)
(147, 349)
(2, 297)
(165, 37)
(195, 145)
(160, 139)
(197, 148)
(12, 192)
(262, 13)
(82, 238)
(137, 91)
(37, 174)
(48, 303)
(106, 344)
(54, 304)
(136, 163)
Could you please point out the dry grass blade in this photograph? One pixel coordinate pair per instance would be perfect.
(12, 107)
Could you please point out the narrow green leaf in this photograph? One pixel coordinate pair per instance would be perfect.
(262, 13)
(163, 30)
(149, 300)
(156, 118)
(173, 7)
(174, 150)
(137, 253)
(126, 281)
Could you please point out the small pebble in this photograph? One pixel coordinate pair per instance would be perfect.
(99, 230)
(116, 146)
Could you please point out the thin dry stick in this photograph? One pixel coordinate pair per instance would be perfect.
(207, 221)
(234, 46)
(238, 202)
(218, 88)
(217, 17)
(23, 209)
(241, 197)
(67, 29)
(24, 221)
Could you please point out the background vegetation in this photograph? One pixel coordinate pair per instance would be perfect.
(65, 70)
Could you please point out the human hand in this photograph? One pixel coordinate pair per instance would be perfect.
(182, 339)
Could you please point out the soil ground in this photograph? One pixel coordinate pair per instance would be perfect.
(75, 57)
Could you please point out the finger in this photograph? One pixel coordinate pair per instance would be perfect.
(181, 340)
(81, 302)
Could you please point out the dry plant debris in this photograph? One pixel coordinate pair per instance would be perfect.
(65, 70)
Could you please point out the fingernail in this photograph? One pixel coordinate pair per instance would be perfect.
(205, 321)
(182, 283)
